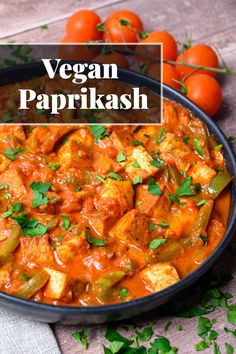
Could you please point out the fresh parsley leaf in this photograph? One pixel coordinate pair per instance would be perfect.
(3, 186)
(113, 336)
(137, 180)
(139, 202)
(101, 179)
(78, 189)
(163, 224)
(167, 326)
(136, 164)
(204, 344)
(123, 293)
(157, 242)
(162, 344)
(229, 348)
(136, 142)
(190, 312)
(184, 189)
(157, 162)
(146, 334)
(233, 332)
(30, 227)
(120, 157)
(231, 314)
(174, 198)
(161, 135)
(201, 202)
(12, 154)
(204, 239)
(115, 176)
(96, 242)
(98, 131)
(204, 326)
(186, 139)
(198, 146)
(54, 166)
(153, 187)
(39, 189)
(82, 337)
(218, 147)
(66, 222)
(153, 227)
(44, 27)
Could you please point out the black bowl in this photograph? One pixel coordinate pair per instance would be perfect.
(100, 314)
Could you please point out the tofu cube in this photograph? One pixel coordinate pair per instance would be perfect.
(159, 276)
(133, 229)
(142, 157)
(14, 181)
(202, 173)
(37, 250)
(58, 284)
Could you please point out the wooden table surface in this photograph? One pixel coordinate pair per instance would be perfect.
(208, 21)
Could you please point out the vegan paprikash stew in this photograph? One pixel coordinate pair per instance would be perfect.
(98, 215)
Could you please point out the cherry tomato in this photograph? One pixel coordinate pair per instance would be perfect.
(122, 27)
(75, 51)
(84, 24)
(205, 91)
(112, 58)
(199, 54)
(169, 74)
(169, 43)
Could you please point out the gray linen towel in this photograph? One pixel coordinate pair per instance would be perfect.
(23, 336)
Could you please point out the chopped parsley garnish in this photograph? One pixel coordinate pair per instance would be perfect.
(201, 202)
(44, 27)
(136, 142)
(120, 157)
(115, 176)
(30, 227)
(54, 166)
(174, 198)
(12, 154)
(157, 162)
(136, 164)
(218, 147)
(98, 131)
(198, 146)
(184, 189)
(16, 208)
(186, 140)
(40, 189)
(137, 180)
(161, 135)
(156, 243)
(96, 242)
(25, 278)
(204, 239)
(101, 179)
(123, 293)
(153, 227)
(167, 326)
(163, 224)
(139, 203)
(4, 186)
(66, 222)
(82, 337)
(153, 187)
